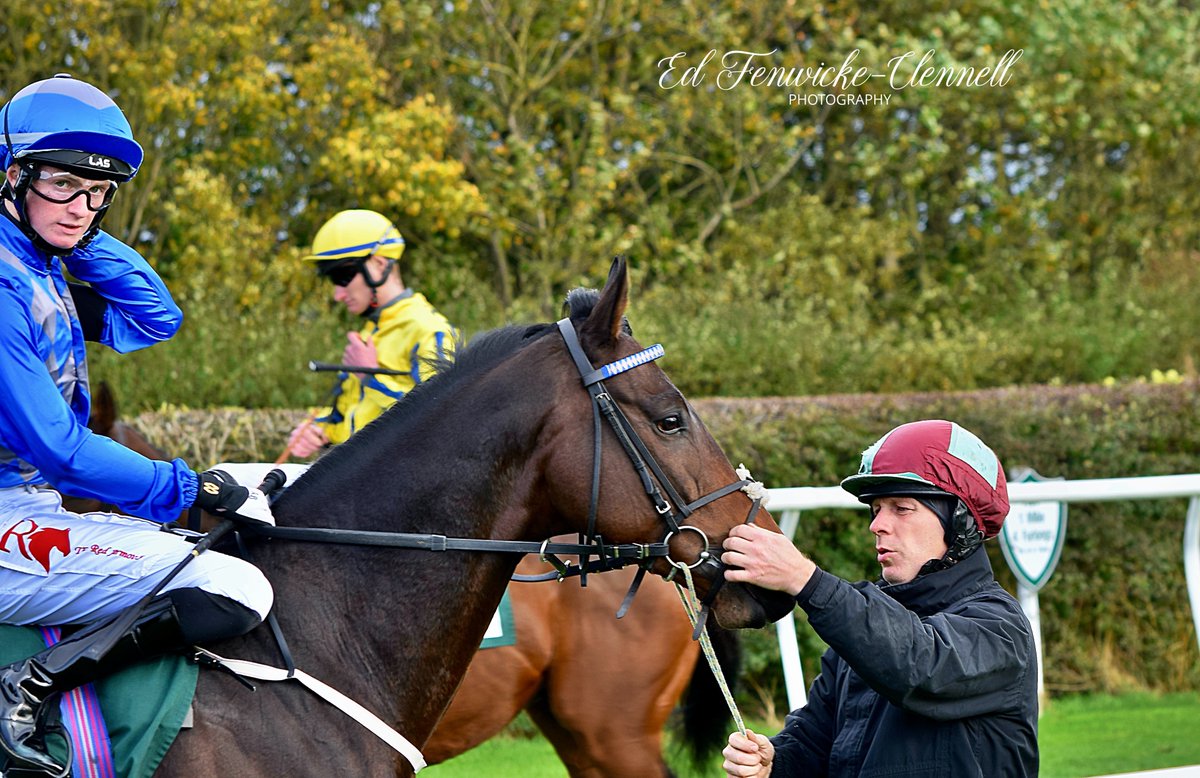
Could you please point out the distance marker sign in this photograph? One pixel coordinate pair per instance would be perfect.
(1032, 536)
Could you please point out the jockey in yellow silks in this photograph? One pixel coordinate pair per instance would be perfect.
(399, 344)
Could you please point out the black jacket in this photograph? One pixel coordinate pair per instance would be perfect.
(934, 677)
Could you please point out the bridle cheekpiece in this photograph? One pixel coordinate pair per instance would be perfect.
(644, 464)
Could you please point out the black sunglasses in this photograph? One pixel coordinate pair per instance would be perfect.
(341, 275)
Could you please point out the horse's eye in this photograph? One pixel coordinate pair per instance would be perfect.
(671, 424)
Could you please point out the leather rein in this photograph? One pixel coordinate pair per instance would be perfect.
(594, 554)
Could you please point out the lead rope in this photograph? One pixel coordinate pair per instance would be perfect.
(691, 604)
(757, 492)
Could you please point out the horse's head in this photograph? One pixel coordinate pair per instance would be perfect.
(104, 410)
(654, 482)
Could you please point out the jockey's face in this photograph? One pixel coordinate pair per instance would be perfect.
(356, 295)
(907, 535)
(62, 225)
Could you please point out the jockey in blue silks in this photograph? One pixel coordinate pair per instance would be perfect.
(66, 148)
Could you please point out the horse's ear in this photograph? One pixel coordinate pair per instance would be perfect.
(604, 324)
(104, 410)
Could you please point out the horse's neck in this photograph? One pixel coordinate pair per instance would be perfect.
(415, 618)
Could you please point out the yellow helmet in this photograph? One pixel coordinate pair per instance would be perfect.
(356, 233)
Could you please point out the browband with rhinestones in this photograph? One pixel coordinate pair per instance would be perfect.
(625, 363)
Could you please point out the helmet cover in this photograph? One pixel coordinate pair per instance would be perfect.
(71, 124)
(356, 233)
(930, 457)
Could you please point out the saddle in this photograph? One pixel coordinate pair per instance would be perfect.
(144, 707)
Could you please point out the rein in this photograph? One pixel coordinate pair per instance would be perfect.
(594, 555)
(608, 557)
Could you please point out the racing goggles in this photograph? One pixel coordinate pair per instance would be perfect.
(61, 187)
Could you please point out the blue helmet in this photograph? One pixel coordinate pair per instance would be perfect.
(71, 124)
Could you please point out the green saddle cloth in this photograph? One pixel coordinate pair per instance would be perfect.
(143, 705)
(503, 629)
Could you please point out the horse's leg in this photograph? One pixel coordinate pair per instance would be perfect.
(498, 684)
(614, 683)
(567, 742)
(500, 681)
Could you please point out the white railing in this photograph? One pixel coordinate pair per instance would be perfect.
(788, 503)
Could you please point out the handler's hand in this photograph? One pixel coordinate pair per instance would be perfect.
(767, 559)
(359, 352)
(748, 757)
(306, 440)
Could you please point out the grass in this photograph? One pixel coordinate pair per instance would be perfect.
(503, 757)
(1079, 737)
(1101, 735)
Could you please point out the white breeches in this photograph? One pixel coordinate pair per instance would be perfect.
(58, 567)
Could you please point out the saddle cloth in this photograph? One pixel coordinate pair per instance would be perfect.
(144, 705)
(502, 630)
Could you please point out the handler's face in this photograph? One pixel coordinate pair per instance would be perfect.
(907, 535)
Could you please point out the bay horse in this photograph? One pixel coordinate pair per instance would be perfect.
(573, 663)
(502, 446)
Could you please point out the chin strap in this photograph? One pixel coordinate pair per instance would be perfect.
(15, 194)
(18, 193)
(374, 285)
(965, 538)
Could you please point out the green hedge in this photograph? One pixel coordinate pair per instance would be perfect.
(1115, 616)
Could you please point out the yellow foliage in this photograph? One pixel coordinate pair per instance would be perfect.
(397, 162)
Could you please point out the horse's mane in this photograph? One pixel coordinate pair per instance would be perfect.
(475, 358)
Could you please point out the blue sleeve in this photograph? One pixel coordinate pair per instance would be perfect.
(38, 426)
(141, 311)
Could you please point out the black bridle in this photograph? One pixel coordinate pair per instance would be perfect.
(671, 507)
(594, 555)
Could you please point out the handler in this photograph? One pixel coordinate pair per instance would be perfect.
(930, 671)
(358, 252)
(66, 148)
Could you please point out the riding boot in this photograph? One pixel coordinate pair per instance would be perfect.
(26, 687)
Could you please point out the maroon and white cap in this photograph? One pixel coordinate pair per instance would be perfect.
(935, 456)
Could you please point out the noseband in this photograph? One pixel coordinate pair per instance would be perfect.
(670, 506)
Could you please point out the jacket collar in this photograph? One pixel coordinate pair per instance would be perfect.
(374, 313)
(934, 592)
(23, 248)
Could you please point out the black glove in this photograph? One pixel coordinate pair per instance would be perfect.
(221, 495)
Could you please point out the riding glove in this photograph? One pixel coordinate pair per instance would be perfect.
(221, 495)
